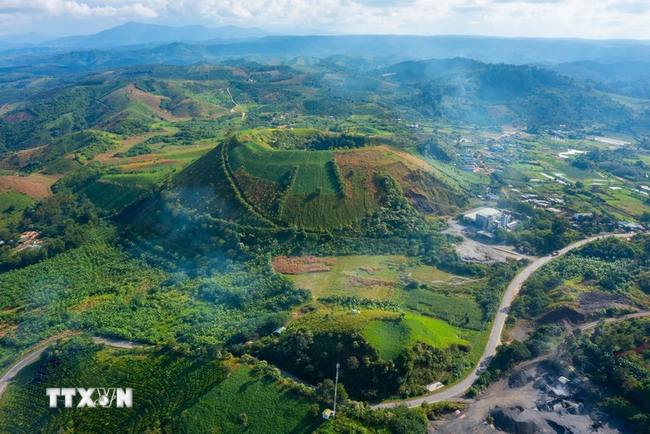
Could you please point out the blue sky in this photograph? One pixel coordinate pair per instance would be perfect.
(596, 19)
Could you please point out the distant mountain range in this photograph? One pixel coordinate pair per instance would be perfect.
(135, 44)
(136, 34)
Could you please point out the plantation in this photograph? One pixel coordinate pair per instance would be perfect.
(102, 289)
(390, 338)
(324, 190)
(162, 383)
(268, 406)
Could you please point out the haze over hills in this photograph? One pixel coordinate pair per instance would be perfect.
(138, 33)
(131, 44)
(131, 33)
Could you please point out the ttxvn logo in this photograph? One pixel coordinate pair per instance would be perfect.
(93, 397)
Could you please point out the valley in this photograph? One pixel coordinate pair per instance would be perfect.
(251, 223)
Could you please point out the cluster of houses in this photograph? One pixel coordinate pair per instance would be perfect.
(29, 240)
(469, 161)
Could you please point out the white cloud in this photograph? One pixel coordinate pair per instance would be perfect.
(71, 8)
(571, 18)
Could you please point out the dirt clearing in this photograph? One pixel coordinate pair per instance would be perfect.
(302, 264)
(36, 186)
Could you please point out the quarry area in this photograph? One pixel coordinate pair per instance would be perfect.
(534, 398)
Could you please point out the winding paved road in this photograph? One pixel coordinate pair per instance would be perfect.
(34, 355)
(495, 335)
(11, 373)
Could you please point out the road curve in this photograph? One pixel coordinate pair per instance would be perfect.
(497, 327)
(34, 355)
(13, 371)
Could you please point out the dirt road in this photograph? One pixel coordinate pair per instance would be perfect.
(495, 335)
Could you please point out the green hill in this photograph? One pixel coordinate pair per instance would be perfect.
(312, 189)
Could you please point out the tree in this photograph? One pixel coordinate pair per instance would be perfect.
(325, 392)
(243, 419)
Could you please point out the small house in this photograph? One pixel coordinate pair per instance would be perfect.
(327, 413)
(279, 331)
(355, 311)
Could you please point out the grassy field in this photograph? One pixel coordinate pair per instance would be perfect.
(12, 205)
(275, 165)
(384, 268)
(390, 338)
(458, 311)
(269, 408)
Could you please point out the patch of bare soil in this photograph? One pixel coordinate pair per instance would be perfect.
(36, 187)
(153, 101)
(20, 159)
(597, 300)
(520, 331)
(18, 117)
(302, 264)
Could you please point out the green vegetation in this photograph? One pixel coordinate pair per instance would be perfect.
(322, 339)
(616, 356)
(12, 204)
(109, 196)
(458, 311)
(390, 338)
(268, 407)
(614, 267)
(178, 191)
(162, 384)
(275, 165)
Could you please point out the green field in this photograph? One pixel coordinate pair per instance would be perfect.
(390, 338)
(12, 204)
(269, 408)
(338, 320)
(459, 311)
(386, 268)
(275, 166)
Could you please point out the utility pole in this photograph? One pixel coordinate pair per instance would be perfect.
(336, 386)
